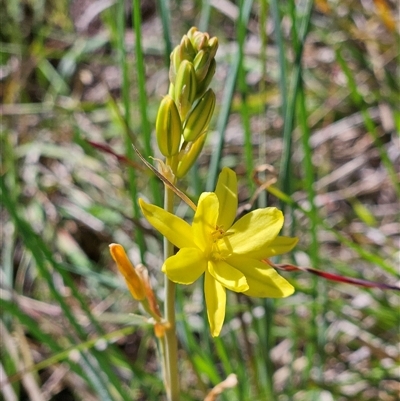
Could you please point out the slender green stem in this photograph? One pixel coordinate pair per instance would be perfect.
(281, 53)
(244, 108)
(171, 344)
(269, 340)
(262, 149)
(127, 114)
(205, 15)
(143, 106)
(319, 305)
(163, 358)
(225, 108)
(164, 8)
(289, 97)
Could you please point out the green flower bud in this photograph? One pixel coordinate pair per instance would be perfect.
(191, 33)
(201, 64)
(203, 85)
(185, 88)
(213, 46)
(199, 118)
(187, 51)
(171, 90)
(200, 40)
(168, 127)
(175, 58)
(190, 156)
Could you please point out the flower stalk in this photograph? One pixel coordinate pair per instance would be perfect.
(182, 122)
(171, 344)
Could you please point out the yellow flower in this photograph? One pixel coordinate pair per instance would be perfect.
(230, 254)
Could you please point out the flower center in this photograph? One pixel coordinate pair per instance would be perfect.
(218, 247)
(217, 234)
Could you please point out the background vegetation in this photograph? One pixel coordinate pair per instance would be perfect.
(307, 93)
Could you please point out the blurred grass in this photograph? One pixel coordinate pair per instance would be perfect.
(307, 88)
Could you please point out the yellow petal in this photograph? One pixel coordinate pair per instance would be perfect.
(174, 228)
(226, 191)
(228, 276)
(254, 231)
(186, 266)
(205, 220)
(215, 295)
(276, 247)
(263, 280)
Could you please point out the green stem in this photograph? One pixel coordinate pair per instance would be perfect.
(163, 358)
(171, 343)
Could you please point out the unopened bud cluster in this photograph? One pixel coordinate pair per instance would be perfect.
(185, 113)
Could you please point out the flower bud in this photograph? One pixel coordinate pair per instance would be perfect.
(190, 156)
(132, 279)
(199, 39)
(175, 58)
(201, 64)
(171, 90)
(187, 51)
(203, 85)
(199, 118)
(168, 127)
(185, 88)
(184, 51)
(213, 46)
(191, 32)
(151, 298)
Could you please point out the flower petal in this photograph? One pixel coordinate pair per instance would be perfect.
(205, 220)
(174, 228)
(276, 247)
(226, 191)
(215, 295)
(228, 276)
(263, 280)
(254, 231)
(186, 266)
(132, 278)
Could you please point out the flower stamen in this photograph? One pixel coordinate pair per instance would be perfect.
(218, 233)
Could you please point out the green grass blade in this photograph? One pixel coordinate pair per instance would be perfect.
(289, 99)
(204, 15)
(34, 330)
(43, 258)
(276, 15)
(164, 7)
(120, 31)
(262, 199)
(225, 108)
(244, 109)
(315, 347)
(141, 82)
